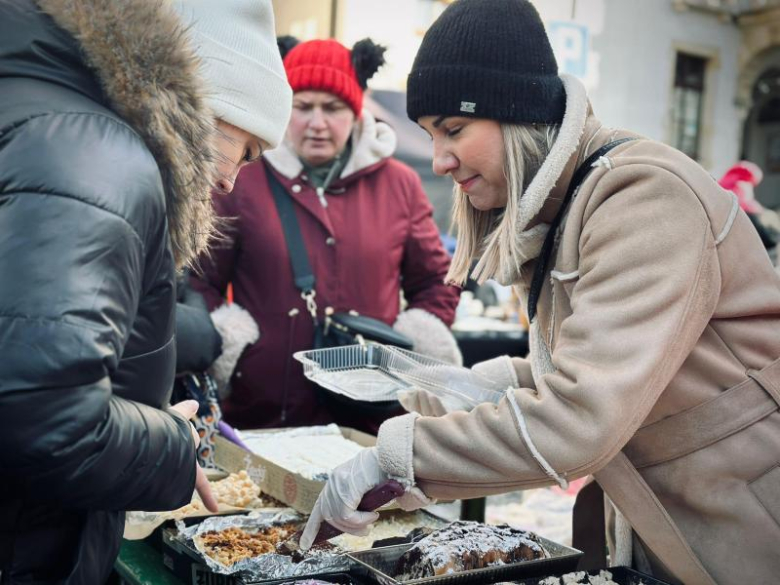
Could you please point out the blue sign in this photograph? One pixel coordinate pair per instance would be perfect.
(570, 42)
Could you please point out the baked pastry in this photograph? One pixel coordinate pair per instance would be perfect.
(237, 490)
(581, 577)
(464, 545)
(231, 545)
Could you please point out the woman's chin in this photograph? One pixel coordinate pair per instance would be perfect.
(479, 203)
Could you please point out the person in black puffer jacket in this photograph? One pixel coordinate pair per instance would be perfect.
(108, 151)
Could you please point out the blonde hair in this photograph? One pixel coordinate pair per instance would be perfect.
(490, 236)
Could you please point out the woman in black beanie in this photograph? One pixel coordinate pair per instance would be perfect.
(654, 316)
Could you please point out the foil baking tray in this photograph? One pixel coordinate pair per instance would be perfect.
(376, 373)
(332, 578)
(378, 565)
(263, 567)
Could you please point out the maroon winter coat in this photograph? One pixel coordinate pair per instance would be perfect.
(375, 237)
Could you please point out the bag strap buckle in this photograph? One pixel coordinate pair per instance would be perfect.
(311, 304)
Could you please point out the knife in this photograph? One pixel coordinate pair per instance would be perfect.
(375, 498)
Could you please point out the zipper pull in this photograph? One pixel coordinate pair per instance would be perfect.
(321, 195)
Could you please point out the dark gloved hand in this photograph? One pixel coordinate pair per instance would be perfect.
(198, 343)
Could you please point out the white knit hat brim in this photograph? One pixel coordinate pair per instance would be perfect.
(245, 92)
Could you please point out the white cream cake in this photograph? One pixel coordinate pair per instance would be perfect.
(309, 451)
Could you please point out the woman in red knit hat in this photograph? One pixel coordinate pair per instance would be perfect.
(368, 231)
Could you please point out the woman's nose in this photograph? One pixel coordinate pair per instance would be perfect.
(444, 162)
(225, 185)
(317, 118)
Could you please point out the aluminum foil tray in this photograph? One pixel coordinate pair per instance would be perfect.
(357, 371)
(264, 567)
(378, 564)
(376, 373)
(334, 578)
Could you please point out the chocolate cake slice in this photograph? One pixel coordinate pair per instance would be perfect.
(463, 545)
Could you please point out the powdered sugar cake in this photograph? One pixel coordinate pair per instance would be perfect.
(463, 546)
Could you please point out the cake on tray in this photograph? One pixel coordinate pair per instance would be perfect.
(463, 546)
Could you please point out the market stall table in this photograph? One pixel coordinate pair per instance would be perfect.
(139, 563)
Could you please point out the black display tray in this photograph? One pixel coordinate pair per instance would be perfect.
(378, 565)
(187, 564)
(620, 575)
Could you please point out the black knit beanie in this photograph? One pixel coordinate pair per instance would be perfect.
(487, 59)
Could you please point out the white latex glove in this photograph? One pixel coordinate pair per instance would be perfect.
(498, 373)
(337, 503)
(414, 499)
(422, 401)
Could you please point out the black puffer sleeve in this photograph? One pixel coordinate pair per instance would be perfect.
(81, 214)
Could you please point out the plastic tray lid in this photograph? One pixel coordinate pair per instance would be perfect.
(375, 372)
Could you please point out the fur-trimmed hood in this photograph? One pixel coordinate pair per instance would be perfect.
(372, 142)
(143, 61)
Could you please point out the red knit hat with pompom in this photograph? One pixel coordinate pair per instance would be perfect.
(327, 65)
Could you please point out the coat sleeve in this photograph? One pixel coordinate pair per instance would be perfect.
(78, 267)
(216, 267)
(425, 262)
(649, 282)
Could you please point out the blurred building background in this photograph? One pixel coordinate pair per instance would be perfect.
(701, 75)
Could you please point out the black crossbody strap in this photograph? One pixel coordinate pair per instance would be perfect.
(540, 273)
(299, 257)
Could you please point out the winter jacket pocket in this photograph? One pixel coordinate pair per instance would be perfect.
(766, 489)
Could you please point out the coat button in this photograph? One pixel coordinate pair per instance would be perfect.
(238, 374)
(296, 188)
(331, 241)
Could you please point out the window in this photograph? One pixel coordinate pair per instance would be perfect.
(687, 105)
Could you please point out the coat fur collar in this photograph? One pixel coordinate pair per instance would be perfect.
(372, 142)
(513, 242)
(148, 71)
(566, 146)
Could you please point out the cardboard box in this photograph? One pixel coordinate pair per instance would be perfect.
(288, 487)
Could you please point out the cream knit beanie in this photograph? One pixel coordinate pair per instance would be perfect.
(247, 84)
